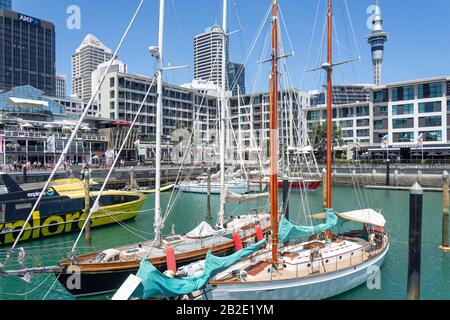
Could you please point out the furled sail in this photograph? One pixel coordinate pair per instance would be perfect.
(238, 198)
(156, 285)
(289, 232)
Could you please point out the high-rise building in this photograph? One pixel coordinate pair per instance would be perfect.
(27, 52)
(208, 53)
(7, 4)
(236, 78)
(377, 40)
(86, 59)
(60, 86)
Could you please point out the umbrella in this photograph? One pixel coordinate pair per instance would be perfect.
(48, 127)
(66, 128)
(378, 154)
(433, 154)
(27, 125)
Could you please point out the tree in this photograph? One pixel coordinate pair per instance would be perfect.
(319, 139)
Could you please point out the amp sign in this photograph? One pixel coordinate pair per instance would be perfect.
(28, 19)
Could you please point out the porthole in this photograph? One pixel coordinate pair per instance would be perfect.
(352, 254)
(326, 261)
(309, 265)
(340, 258)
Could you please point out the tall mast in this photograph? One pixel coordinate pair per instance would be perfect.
(274, 134)
(158, 220)
(223, 115)
(329, 68)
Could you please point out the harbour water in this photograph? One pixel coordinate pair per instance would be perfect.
(190, 210)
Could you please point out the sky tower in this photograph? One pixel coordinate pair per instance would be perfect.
(376, 41)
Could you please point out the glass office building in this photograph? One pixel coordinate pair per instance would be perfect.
(27, 52)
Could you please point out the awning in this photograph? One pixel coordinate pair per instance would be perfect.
(38, 103)
(368, 216)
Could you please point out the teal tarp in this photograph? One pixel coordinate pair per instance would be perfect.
(288, 231)
(157, 285)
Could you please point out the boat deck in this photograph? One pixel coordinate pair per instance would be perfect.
(297, 262)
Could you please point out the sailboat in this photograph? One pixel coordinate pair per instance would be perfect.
(290, 268)
(105, 271)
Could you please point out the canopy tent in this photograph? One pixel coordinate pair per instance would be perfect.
(204, 230)
(154, 284)
(289, 232)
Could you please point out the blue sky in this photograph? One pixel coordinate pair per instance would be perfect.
(418, 29)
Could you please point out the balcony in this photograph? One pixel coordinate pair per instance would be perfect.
(45, 135)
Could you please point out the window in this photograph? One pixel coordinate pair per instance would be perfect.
(362, 111)
(402, 94)
(402, 109)
(432, 136)
(378, 124)
(402, 123)
(404, 137)
(430, 121)
(448, 106)
(428, 107)
(112, 82)
(347, 112)
(314, 115)
(346, 124)
(384, 111)
(380, 96)
(430, 90)
(363, 133)
(362, 123)
(347, 134)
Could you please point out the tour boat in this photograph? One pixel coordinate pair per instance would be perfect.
(61, 210)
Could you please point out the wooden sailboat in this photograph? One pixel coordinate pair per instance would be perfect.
(103, 272)
(320, 268)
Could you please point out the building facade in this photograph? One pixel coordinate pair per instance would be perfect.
(60, 86)
(208, 53)
(413, 115)
(7, 4)
(29, 119)
(236, 76)
(91, 53)
(27, 52)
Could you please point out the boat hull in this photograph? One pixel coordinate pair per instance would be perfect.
(102, 282)
(310, 185)
(310, 288)
(59, 224)
(215, 189)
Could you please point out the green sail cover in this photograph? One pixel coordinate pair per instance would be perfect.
(289, 232)
(156, 285)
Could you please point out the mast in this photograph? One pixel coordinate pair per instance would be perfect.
(329, 69)
(158, 220)
(223, 115)
(274, 135)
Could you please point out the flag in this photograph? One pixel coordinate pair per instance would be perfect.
(385, 142)
(420, 141)
(51, 144)
(358, 143)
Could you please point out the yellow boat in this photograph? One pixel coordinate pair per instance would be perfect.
(61, 209)
(165, 188)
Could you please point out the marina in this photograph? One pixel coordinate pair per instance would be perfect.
(153, 191)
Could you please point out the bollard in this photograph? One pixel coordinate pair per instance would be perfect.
(445, 196)
(374, 180)
(396, 176)
(87, 204)
(286, 196)
(132, 180)
(419, 177)
(415, 241)
(324, 190)
(208, 204)
(388, 173)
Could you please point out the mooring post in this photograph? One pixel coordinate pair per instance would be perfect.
(208, 204)
(415, 241)
(87, 204)
(445, 196)
(419, 177)
(388, 173)
(374, 180)
(132, 180)
(286, 196)
(396, 178)
(324, 189)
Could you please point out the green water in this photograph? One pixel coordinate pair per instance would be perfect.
(190, 211)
